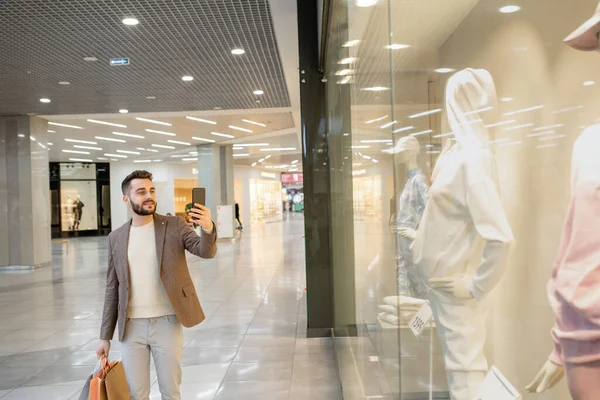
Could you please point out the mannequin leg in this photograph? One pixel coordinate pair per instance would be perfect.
(584, 380)
(461, 329)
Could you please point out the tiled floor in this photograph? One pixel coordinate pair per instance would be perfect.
(252, 345)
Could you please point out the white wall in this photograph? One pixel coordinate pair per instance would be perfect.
(164, 177)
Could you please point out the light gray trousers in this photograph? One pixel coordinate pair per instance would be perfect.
(163, 337)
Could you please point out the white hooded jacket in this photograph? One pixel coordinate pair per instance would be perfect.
(464, 232)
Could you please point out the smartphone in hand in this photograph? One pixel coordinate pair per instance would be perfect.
(199, 196)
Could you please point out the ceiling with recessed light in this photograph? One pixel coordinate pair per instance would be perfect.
(44, 44)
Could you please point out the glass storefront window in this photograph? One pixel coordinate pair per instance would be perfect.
(265, 200)
(451, 129)
(78, 194)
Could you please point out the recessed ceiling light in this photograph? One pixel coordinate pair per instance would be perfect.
(21, 135)
(351, 43)
(376, 89)
(258, 92)
(95, 121)
(51, 131)
(217, 108)
(64, 83)
(65, 125)
(240, 129)
(366, 3)
(115, 155)
(187, 78)
(161, 132)
(344, 72)
(347, 60)
(177, 142)
(435, 111)
(45, 100)
(251, 144)
(345, 80)
(397, 46)
(152, 150)
(76, 152)
(153, 121)
(123, 111)
(443, 70)
(129, 135)
(279, 149)
(128, 152)
(242, 155)
(142, 161)
(589, 83)
(204, 140)
(509, 9)
(254, 122)
(102, 159)
(131, 21)
(238, 51)
(90, 59)
(110, 139)
(295, 162)
(206, 121)
(190, 159)
(222, 134)
(50, 144)
(162, 146)
(376, 119)
(80, 141)
(506, 99)
(80, 159)
(150, 97)
(87, 147)
(254, 164)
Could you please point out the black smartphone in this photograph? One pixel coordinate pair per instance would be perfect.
(199, 196)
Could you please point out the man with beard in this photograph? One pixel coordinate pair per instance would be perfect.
(149, 291)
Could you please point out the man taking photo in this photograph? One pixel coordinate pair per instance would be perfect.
(149, 290)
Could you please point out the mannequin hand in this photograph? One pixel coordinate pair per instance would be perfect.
(549, 375)
(408, 233)
(459, 288)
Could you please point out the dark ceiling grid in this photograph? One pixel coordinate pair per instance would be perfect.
(174, 38)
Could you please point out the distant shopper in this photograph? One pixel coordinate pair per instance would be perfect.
(149, 291)
(237, 216)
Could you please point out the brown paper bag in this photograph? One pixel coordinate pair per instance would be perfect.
(116, 383)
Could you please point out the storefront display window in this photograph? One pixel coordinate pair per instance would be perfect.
(80, 199)
(457, 123)
(265, 200)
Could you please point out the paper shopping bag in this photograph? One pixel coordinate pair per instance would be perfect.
(97, 388)
(116, 382)
(97, 385)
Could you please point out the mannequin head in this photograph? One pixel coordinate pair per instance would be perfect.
(406, 151)
(470, 98)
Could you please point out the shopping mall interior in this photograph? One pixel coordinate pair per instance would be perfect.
(389, 183)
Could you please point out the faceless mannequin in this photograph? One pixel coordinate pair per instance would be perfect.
(462, 244)
(410, 207)
(573, 290)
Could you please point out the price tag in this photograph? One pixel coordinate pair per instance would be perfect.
(496, 387)
(420, 320)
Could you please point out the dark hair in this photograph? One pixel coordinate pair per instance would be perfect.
(139, 174)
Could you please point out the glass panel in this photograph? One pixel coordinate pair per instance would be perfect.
(265, 200)
(78, 208)
(473, 132)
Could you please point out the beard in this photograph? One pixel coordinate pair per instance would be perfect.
(140, 210)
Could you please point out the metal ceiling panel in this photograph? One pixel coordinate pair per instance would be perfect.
(43, 42)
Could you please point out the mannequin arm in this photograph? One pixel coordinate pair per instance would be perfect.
(490, 222)
(458, 288)
(549, 375)
(408, 233)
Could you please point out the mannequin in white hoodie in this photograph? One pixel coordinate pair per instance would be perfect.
(463, 241)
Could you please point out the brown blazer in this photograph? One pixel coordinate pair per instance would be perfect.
(173, 237)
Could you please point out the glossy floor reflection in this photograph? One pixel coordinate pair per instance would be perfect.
(251, 346)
